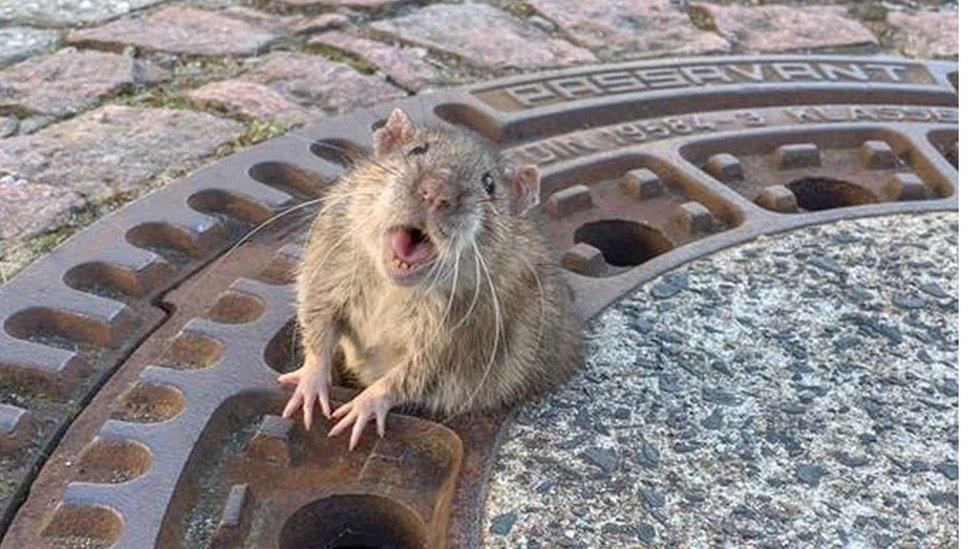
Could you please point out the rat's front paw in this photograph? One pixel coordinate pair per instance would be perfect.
(373, 402)
(312, 382)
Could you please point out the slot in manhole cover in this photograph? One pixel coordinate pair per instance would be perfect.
(145, 369)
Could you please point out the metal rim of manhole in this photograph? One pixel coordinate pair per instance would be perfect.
(139, 398)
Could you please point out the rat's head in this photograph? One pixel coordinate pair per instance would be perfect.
(436, 192)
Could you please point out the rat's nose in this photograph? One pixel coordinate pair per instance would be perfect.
(436, 196)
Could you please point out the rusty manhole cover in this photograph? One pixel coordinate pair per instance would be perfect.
(138, 373)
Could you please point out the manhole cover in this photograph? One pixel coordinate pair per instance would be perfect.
(138, 395)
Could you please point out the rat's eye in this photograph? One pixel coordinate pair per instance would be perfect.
(489, 183)
(418, 150)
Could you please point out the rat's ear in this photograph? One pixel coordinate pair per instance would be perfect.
(396, 132)
(524, 185)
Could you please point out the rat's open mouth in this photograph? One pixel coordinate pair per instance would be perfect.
(410, 252)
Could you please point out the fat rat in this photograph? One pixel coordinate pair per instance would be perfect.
(426, 268)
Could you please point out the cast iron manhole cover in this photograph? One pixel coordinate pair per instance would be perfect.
(138, 373)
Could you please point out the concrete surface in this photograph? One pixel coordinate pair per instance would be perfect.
(799, 390)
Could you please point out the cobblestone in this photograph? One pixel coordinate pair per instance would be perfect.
(488, 38)
(252, 100)
(67, 81)
(778, 28)
(647, 28)
(374, 5)
(403, 67)
(18, 43)
(30, 208)
(179, 30)
(925, 35)
(67, 13)
(115, 150)
(315, 81)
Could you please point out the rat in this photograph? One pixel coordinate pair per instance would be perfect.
(427, 269)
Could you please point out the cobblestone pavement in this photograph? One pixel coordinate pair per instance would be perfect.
(198, 79)
(799, 390)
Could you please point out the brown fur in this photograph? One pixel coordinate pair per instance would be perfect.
(447, 351)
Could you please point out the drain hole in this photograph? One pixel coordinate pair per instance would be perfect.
(104, 279)
(189, 351)
(172, 243)
(348, 520)
(280, 270)
(79, 526)
(284, 351)
(149, 404)
(113, 462)
(288, 178)
(337, 151)
(58, 328)
(222, 203)
(623, 243)
(821, 193)
(235, 308)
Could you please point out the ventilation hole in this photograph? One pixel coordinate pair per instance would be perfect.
(623, 243)
(224, 204)
(235, 308)
(189, 351)
(284, 352)
(337, 151)
(954, 79)
(104, 279)
(280, 270)
(172, 243)
(288, 178)
(81, 526)
(146, 403)
(58, 328)
(352, 520)
(820, 193)
(113, 462)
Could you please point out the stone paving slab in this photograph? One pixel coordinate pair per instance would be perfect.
(777, 28)
(483, 36)
(18, 43)
(927, 34)
(68, 81)
(253, 100)
(615, 27)
(179, 30)
(67, 13)
(314, 81)
(30, 208)
(800, 390)
(402, 66)
(114, 150)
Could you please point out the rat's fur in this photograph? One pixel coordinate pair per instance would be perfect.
(495, 341)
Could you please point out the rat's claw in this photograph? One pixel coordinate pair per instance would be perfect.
(324, 403)
(290, 378)
(374, 402)
(293, 404)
